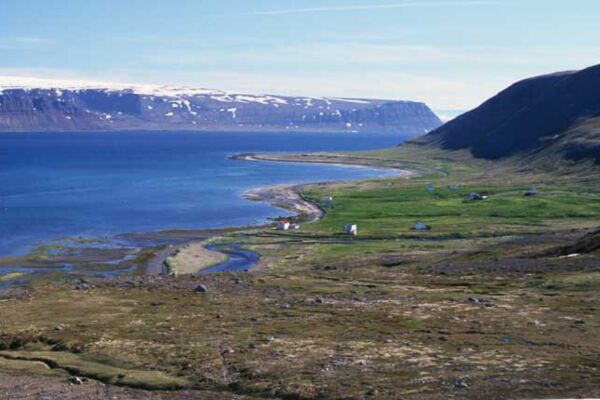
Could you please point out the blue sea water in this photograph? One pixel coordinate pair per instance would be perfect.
(55, 185)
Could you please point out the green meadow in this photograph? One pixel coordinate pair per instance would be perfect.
(392, 211)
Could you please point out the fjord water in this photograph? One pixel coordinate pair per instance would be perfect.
(56, 185)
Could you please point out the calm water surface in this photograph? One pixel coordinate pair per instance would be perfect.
(55, 185)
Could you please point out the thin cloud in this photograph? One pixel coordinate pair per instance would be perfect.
(438, 92)
(34, 40)
(464, 3)
(25, 42)
(349, 56)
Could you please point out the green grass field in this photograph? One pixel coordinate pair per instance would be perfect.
(392, 211)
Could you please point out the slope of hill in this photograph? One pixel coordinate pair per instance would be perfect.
(557, 113)
(72, 108)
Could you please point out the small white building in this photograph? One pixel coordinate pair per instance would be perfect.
(419, 226)
(351, 229)
(283, 225)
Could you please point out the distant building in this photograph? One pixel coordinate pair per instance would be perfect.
(453, 187)
(419, 226)
(532, 192)
(476, 196)
(327, 201)
(351, 229)
(283, 225)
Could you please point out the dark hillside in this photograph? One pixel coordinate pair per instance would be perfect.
(556, 110)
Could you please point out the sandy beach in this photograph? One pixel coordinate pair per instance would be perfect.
(192, 258)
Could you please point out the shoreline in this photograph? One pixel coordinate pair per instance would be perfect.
(204, 129)
(327, 158)
(286, 196)
(283, 196)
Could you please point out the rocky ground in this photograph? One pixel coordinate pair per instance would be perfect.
(380, 327)
(20, 387)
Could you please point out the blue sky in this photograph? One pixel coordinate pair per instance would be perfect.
(452, 54)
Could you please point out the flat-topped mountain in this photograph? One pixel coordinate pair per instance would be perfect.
(557, 114)
(53, 107)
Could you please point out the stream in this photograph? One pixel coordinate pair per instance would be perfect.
(239, 259)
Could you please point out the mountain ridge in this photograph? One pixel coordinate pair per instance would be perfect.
(47, 106)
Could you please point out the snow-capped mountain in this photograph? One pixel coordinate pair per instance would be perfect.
(40, 105)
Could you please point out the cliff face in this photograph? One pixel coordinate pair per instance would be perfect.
(551, 114)
(50, 109)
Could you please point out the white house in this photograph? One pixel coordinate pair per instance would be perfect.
(283, 225)
(351, 229)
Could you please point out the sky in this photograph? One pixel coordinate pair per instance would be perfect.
(451, 54)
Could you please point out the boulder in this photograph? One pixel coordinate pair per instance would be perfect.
(201, 289)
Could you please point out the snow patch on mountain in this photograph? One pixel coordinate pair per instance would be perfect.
(356, 101)
(150, 90)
